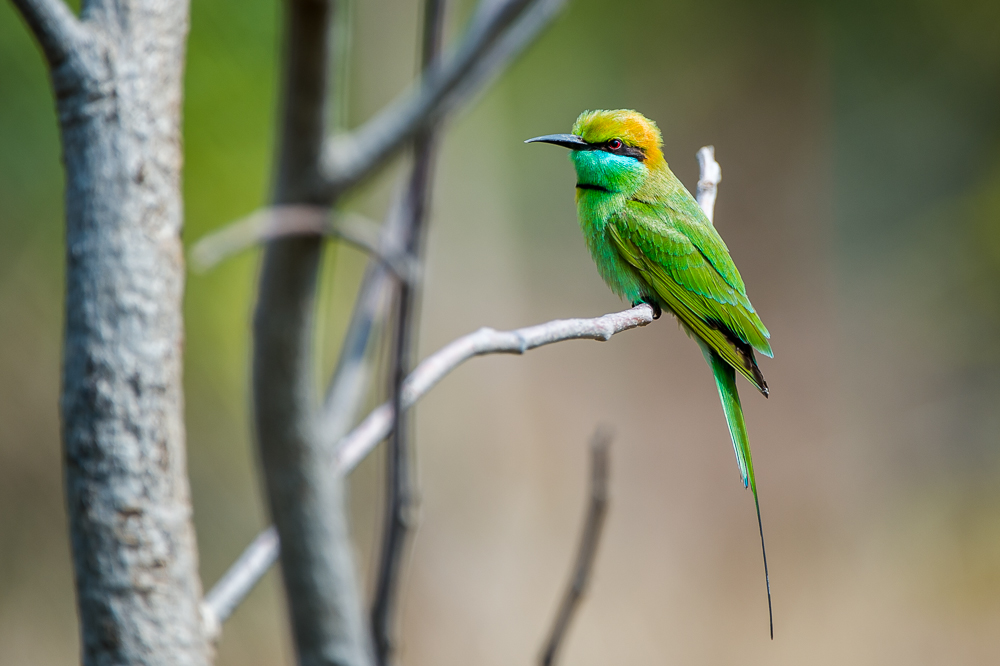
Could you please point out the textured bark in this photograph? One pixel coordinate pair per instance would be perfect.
(118, 91)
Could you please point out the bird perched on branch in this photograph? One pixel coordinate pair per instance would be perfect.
(652, 243)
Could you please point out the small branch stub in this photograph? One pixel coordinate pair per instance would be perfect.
(708, 182)
(285, 221)
(593, 525)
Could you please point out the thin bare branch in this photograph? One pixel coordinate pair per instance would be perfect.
(260, 226)
(350, 381)
(349, 384)
(515, 40)
(273, 222)
(597, 508)
(353, 448)
(54, 25)
(352, 157)
(399, 481)
(708, 181)
(237, 582)
(434, 368)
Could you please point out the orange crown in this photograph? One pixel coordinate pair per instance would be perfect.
(629, 126)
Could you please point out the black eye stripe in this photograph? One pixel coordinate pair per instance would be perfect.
(624, 149)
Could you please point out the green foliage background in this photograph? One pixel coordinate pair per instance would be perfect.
(860, 144)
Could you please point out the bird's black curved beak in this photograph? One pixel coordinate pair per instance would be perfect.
(571, 141)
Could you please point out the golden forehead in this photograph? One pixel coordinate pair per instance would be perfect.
(630, 126)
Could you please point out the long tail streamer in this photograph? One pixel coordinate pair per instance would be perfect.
(725, 380)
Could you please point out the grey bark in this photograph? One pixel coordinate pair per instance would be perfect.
(117, 76)
(306, 501)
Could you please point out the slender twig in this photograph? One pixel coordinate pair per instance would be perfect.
(348, 386)
(352, 377)
(353, 157)
(57, 30)
(399, 481)
(273, 222)
(377, 425)
(597, 508)
(353, 448)
(238, 580)
(708, 180)
(515, 39)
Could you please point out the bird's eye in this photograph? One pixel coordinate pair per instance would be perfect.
(615, 144)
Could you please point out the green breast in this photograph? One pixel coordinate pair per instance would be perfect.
(594, 208)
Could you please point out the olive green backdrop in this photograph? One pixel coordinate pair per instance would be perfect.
(860, 147)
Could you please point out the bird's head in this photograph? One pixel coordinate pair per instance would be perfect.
(611, 150)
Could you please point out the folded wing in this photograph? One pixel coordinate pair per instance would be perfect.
(689, 267)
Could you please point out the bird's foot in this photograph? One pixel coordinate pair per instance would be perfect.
(656, 308)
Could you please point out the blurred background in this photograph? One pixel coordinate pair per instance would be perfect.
(860, 147)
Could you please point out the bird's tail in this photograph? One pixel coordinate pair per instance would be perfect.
(725, 380)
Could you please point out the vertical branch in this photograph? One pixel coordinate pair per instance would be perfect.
(597, 509)
(398, 504)
(117, 79)
(306, 501)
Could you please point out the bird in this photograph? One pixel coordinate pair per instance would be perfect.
(652, 243)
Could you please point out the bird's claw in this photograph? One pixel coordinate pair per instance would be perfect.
(656, 308)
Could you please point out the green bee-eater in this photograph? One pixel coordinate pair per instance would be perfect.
(652, 243)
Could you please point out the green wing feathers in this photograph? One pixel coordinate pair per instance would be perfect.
(717, 312)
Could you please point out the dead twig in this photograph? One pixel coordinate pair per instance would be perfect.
(274, 222)
(597, 509)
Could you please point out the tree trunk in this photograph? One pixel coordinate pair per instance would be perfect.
(119, 102)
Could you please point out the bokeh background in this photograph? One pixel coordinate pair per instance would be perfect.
(860, 146)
